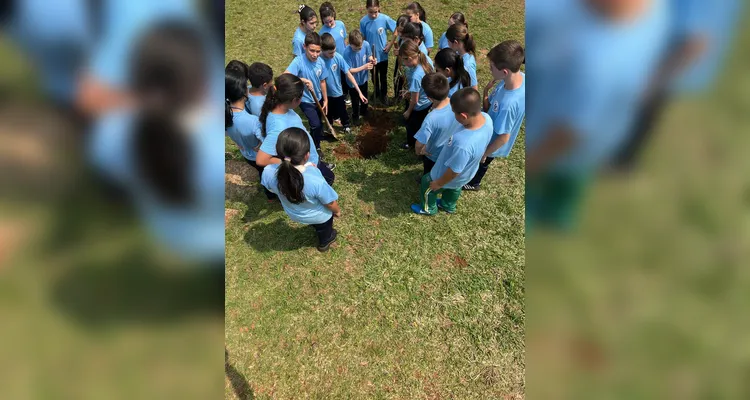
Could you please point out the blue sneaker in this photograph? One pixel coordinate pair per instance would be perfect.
(440, 207)
(417, 209)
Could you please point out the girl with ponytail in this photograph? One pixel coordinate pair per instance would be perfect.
(278, 114)
(456, 18)
(242, 127)
(451, 65)
(460, 40)
(308, 21)
(417, 66)
(417, 15)
(304, 193)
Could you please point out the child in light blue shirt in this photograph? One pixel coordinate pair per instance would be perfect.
(439, 124)
(360, 59)
(417, 66)
(375, 26)
(304, 193)
(337, 68)
(456, 18)
(417, 15)
(308, 21)
(334, 27)
(261, 78)
(462, 41)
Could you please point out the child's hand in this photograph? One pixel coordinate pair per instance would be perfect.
(434, 186)
(407, 114)
(490, 86)
(325, 108)
(368, 66)
(256, 149)
(373, 60)
(363, 98)
(308, 83)
(404, 94)
(337, 214)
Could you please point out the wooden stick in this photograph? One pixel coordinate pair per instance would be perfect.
(375, 71)
(325, 118)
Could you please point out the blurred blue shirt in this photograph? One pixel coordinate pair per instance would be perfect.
(443, 42)
(316, 190)
(462, 153)
(436, 129)
(246, 132)
(276, 123)
(589, 75)
(254, 104)
(507, 109)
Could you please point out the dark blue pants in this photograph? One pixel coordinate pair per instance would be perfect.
(315, 119)
(269, 195)
(324, 231)
(477, 179)
(337, 110)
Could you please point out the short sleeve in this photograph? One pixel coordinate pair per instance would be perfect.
(294, 66)
(268, 146)
(391, 24)
(425, 132)
(325, 193)
(324, 71)
(344, 65)
(428, 38)
(258, 129)
(362, 26)
(346, 33)
(266, 178)
(458, 161)
(416, 82)
(473, 75)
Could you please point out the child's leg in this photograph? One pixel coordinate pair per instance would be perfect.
(355, 102)
(343, 84)
(326, 172)
(363, 106)
(316, 128)
(428, 198)
(449, 199)
(324, 231)
(427, 165)
(269, 194)
(382, 68)
(331, 116)
(340, 110)
(477, 179)
(413, 124)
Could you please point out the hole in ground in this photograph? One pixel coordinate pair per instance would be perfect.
(372, 137)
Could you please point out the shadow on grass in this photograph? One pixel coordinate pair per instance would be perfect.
(280, 235)
(240, 385)
(134, 290)
(390, 193)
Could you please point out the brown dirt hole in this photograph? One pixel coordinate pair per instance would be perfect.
(372, 136)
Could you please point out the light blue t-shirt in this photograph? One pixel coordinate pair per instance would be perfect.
(462, 153)
(335, 66)
(436, 129)
(339, 35)
(246, 132)
(454, 89)
(298, 42)
(316, 190)
(565, 38)
(375, 32)
(193, 233)
(358, 59)
(470, 65)
(414, 77)
(276, 123)
(429, 39)
(314, 71)
(423, 49)
(443, 42)
(507, 109)
(254, 104)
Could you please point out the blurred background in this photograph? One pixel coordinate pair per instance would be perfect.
(111, 285)
(639, 289)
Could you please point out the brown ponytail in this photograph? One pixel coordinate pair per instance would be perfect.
(460, 32)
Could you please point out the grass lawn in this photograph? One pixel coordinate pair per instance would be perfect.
(403, 306)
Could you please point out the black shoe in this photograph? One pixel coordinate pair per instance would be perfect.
(472, 188)
(405, 146)
(326, 246)
(331, 167)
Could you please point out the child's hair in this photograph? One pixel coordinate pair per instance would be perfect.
(235, 88)
(238, 66)
(327, 42)
(372, 3)
(260, 73)
(508, 54)
(412, 30)
(402, 20)
(305, 13)
(355, 38)
(449, 58)
(168, 70)
(312, 38)
(327, 10)
(416, 8)
(291, 147)
(286, 88)
(410, 49)
(460, 32)
(435, 86)
(459, 18)
(467, 100)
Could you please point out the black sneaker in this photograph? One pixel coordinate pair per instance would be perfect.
(472, 188)
(331, 167)
(405, 146)
(326, 246)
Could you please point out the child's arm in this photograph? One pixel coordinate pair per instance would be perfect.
(495, 145)
(419, 148)
(334, 207)
(412, 104)
(264, 159)
(356, 87)
(448, 176)
(486, 97)
(324, 90)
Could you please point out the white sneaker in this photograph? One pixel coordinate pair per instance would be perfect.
(348, 102)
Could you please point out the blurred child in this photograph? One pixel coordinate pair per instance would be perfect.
(305, 195)
(506, 104)
(360, 59)
(261, 78)
(313, 72)
(417, 66)
(450, 64)
(335, 63)
(242, 127)
(374, 27)
(398, 79)
(439, 124)
(278, 114)
(413, 31)
(459, 158)
(460, 39)
(308, 21)
(456, 18)
(418, 15)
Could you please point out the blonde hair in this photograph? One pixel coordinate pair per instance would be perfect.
(409, 48)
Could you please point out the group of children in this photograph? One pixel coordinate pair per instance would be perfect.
(454, 129)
